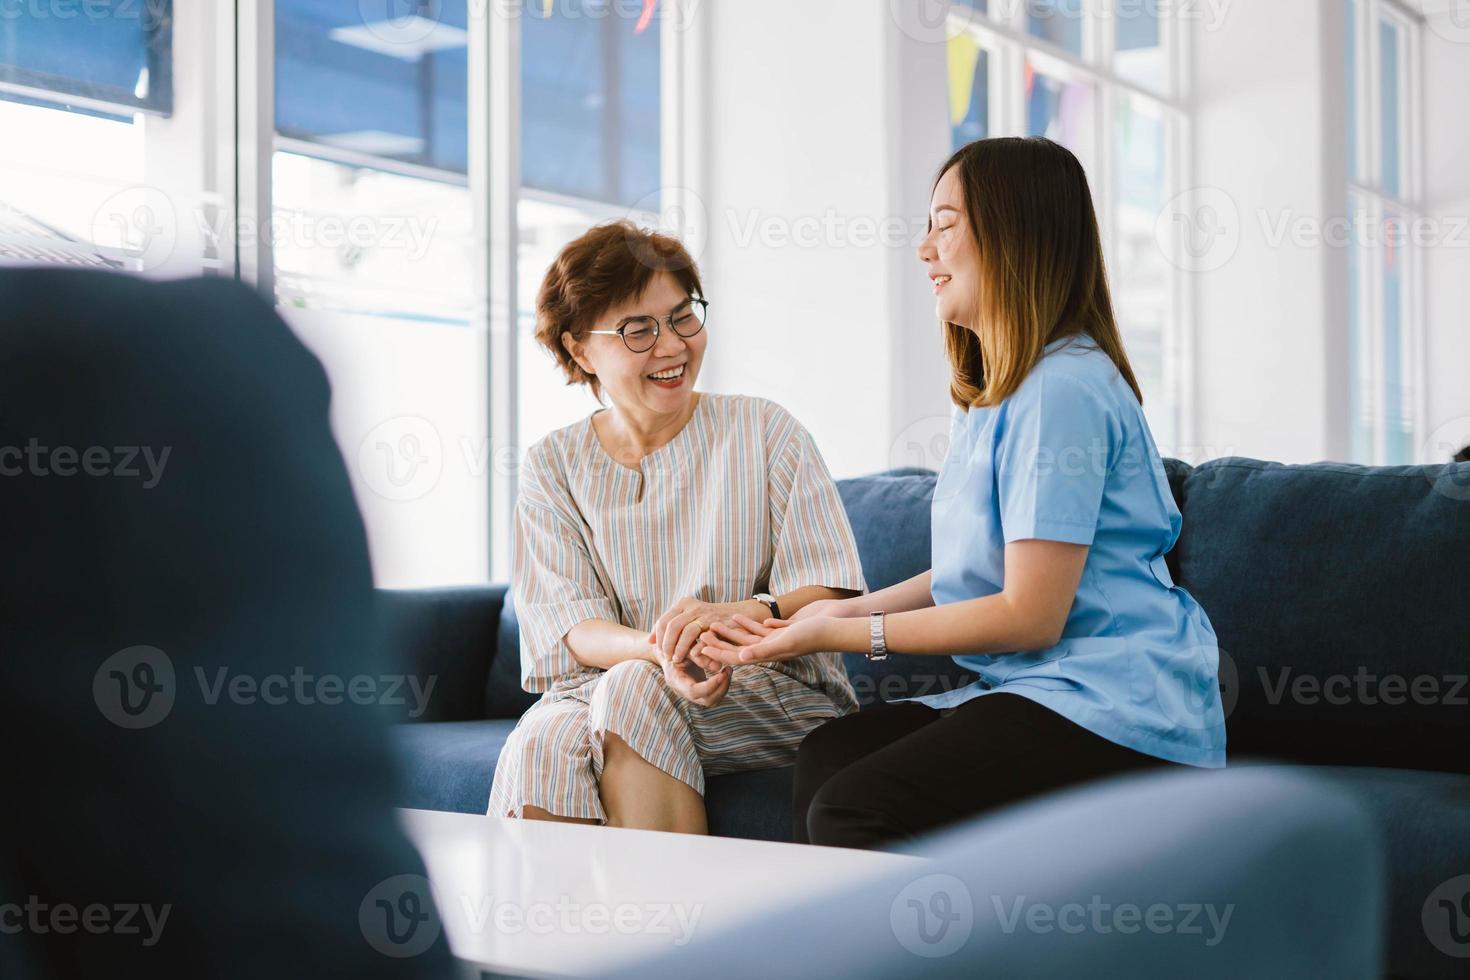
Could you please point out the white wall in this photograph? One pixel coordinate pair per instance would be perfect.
(815, 177)
(1270, 339)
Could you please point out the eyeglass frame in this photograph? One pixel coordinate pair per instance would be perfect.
(659, 321)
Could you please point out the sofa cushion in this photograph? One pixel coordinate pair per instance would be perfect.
(889, 513)
(444, 637)
(504, 696)
(1423, 819)
(1336, 592)
(755, 805)
(448, 765)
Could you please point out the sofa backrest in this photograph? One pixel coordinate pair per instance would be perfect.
(1338, 593)
(889, 513)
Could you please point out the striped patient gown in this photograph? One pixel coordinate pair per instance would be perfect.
(738, 502)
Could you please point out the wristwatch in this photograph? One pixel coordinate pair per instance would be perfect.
(770, 601)
(877, 640)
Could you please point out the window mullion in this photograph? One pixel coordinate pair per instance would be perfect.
(494, 165)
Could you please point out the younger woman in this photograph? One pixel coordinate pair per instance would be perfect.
(1051, 518)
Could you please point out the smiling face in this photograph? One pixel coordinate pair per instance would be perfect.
(660, 380)
(949, 253)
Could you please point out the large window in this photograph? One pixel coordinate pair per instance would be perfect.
(434, 402)
(101, 165)
(397, 176)
(1384, 347)
(590, 152)
(1102, 78)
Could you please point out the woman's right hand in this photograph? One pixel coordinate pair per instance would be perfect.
(691, 681)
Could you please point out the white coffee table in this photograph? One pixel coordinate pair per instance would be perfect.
(546, 899)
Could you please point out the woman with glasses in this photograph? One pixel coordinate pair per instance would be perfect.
(641, 527)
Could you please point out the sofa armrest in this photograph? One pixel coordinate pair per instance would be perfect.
(444, 637)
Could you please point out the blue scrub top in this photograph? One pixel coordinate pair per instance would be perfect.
(1069, 457)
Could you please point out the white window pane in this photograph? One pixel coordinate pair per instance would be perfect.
(1138, 49)
(71, 191)
(546, 401)
(1057, 21)
(372, 232)
(368, 241)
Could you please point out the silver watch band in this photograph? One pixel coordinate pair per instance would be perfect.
(877, 639)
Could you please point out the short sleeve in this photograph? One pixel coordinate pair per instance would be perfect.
(554, 578)
(813, 541)
(1053, 460)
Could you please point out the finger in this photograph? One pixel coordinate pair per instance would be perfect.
(720, 689)
(774, 623)
(725, 656)
(709, 639)
(688, 636)
(733, 633)
(751, 625)
(704, 660)
(670, 635)
(710, 689)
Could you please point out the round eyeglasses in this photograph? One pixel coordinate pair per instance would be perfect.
(640, 333)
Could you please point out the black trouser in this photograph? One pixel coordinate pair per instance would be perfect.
(899, 770)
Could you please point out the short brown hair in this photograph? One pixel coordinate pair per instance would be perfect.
(608, 265)
(1042, 275)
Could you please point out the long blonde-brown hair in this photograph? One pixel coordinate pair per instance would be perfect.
(1041, 266)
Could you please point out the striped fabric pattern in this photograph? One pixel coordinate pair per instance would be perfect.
(738, 502)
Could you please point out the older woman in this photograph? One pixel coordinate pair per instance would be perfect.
(638, 529)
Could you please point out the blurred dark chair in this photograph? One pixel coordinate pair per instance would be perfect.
(134, 582)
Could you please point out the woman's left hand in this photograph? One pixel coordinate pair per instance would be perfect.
(677, 631)
(745, 641)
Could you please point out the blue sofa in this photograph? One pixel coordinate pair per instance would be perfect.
(1338, 593)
